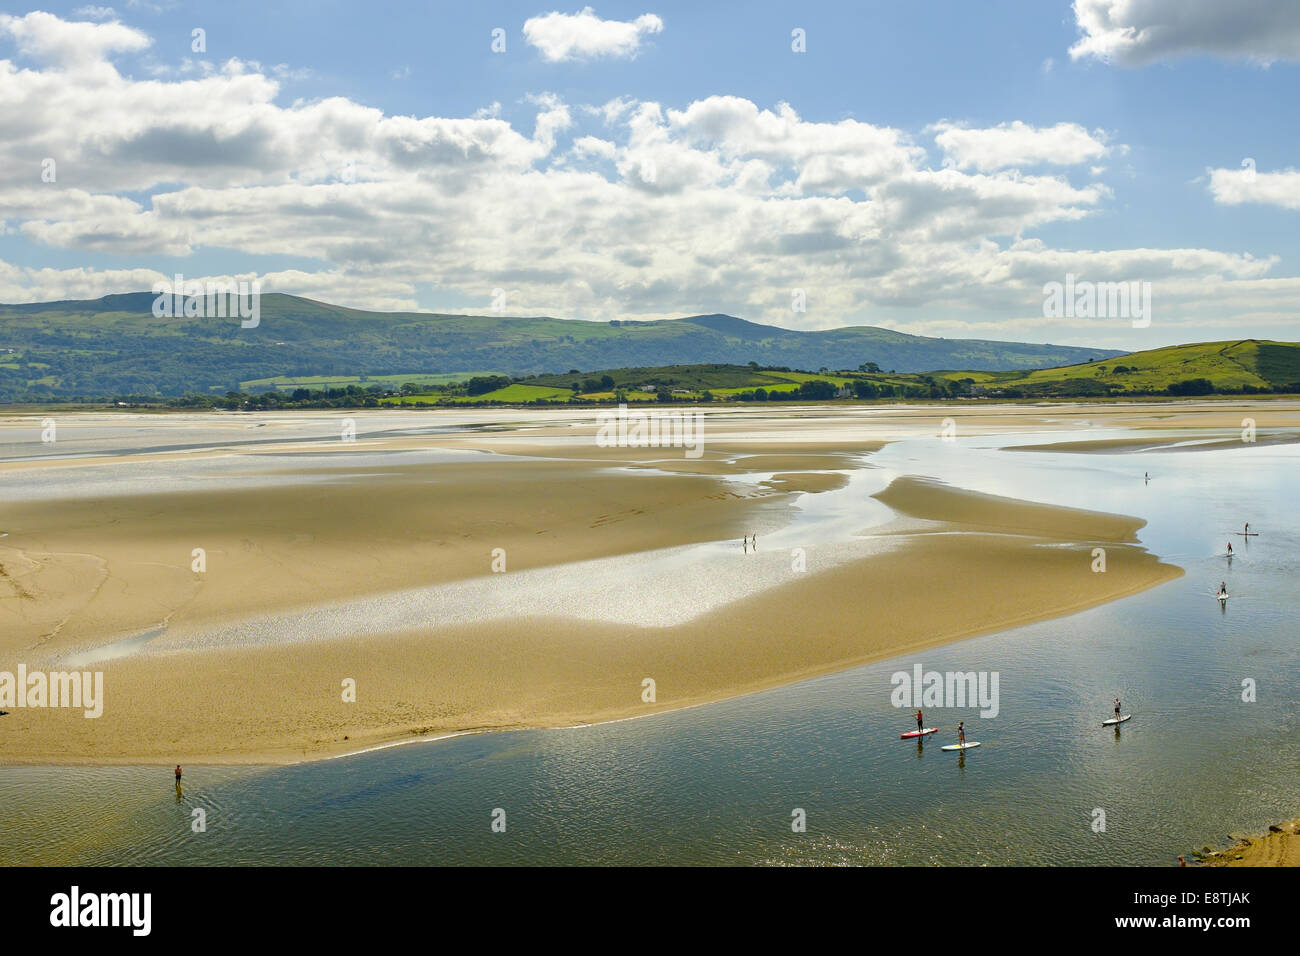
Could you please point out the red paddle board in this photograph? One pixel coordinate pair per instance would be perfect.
(917, 733)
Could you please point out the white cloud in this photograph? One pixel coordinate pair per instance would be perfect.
(46, 37)
(584, 36)
(586, 146)
(1018, 144)
(1233, 187)
(625, 209)
(1138, 32)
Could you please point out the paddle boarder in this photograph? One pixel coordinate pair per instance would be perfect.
(1117, 708)
(961, 733)
(1229, 549)
(920, 721)
(178, 773)
(1247, 527)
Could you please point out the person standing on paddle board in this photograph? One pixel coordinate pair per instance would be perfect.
(961, 733)
(1117, 708)
(1247, 531)
(1229, 549)
(920, 720)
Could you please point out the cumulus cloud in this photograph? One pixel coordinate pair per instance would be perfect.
(46, 37)
(585, 36)
(1233, 187)
(627, 209)
(1138, 32)
(1018, 144)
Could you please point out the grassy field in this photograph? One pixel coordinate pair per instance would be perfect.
(511, 393)
(1228, 366)
(1221, 367)
(289, 383)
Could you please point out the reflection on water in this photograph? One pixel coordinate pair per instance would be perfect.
(719, 784)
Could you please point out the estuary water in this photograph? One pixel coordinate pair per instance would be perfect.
(721, 784)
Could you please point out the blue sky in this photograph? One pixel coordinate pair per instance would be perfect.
(1104, 159)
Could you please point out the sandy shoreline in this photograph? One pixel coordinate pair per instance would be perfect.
(303, 525)
(79, 570)
(1280, 846)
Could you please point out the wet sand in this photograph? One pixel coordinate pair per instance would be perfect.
(1279, 847)
(1119, 446)
(80, 572)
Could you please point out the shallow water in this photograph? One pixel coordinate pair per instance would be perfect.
(718, 784)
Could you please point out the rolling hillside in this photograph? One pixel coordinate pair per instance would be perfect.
(116, 346)
(1247, 366)
(1225, 368)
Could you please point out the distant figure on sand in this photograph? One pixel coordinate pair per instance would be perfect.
(744, 543)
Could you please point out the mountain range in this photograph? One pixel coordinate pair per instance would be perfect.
(116, 345)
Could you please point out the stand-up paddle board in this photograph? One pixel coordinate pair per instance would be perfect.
(918, 733)
(1247, 534)
(1116, 720)
(968, 746)
(1222, 597)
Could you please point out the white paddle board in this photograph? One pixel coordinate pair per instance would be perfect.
(968, 746)
(1116, 720)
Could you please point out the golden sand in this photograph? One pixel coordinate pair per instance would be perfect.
(77, 572)
(1279, 847)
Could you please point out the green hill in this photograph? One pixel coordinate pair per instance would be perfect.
(1244, 366)
(116, 346)
(1225, 368)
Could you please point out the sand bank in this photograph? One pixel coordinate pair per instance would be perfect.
(79, 570)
